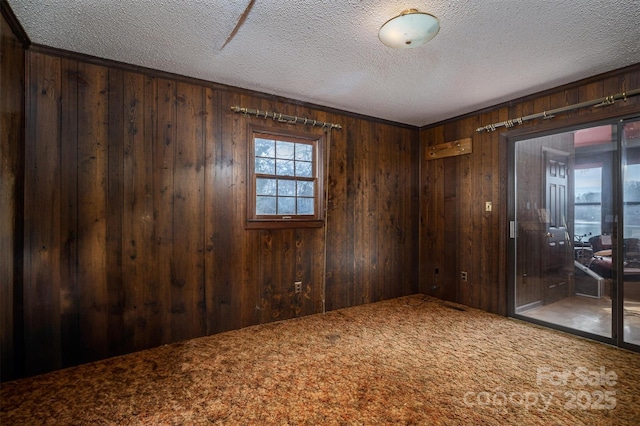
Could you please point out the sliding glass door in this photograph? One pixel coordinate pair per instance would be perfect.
(630, 177)
(575, 231)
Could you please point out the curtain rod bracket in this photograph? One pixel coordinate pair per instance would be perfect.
(609, 100)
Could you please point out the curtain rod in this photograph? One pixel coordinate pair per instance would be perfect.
(607, 100)
(282, 118)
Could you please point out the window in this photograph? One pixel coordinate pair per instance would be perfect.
(588, 201)
(285, 179)
(632, 200)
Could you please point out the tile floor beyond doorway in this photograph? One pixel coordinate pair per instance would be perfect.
(589, 314)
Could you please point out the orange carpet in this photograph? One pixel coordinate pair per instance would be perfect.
(409, 360)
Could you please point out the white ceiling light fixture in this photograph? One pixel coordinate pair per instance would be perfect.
(409, 29)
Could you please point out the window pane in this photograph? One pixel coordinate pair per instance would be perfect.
(284, 168)
(265, 166)
(588, 189)
(632, 183)
(632, 220)
(588, 185)
(305, 189)
(285, 177)
(265, 205)
(587, 219)
(266, 186)
(304, 168)
(304, 152)
(285, 150)
(286, 187)
(265, 148)
(631, 198)
(305, 205)
(286, 205)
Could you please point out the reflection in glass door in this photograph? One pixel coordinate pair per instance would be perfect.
(575, 231)
(564, 224)
(631, 232)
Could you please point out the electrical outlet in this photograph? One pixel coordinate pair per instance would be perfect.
(435, 285)
(463, 275)
(298, 286)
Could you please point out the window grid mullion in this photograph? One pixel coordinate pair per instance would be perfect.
(301, 157)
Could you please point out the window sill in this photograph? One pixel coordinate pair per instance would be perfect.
(282, 224)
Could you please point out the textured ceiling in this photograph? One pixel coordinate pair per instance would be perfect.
(327, 52)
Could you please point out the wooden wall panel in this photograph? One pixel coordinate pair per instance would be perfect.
(163, 145)
(142, 240)
(341, 252)
(135, 214)
(115, 215)
(366, 182)
(212, 129)
(42, 225)
(132, 207)
(12, 114)
(246, 285)
(150, 323)
(187, 267)
(69, 307)
(140, 303)
(454, 190)
(93, 167)
(222, 305)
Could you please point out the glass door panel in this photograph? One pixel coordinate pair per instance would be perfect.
(631, 231)
(565, 245)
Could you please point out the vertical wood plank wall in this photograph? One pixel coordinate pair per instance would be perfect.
(12, 67)
(456, 233)
(135, 202)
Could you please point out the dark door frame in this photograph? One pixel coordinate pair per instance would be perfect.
(508, 140)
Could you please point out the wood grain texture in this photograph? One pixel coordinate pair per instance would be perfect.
(450, 149)
(453, 192)
(93, 167)
(187, 266)
(143, 179)
(163, 146)
(115, 215)
(12, 142)
(341, 250)
(42, 226)
(69, 307)
(213, 132)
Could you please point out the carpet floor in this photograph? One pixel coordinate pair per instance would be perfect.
(411, 360)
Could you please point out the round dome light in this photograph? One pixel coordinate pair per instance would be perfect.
(409, 29)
